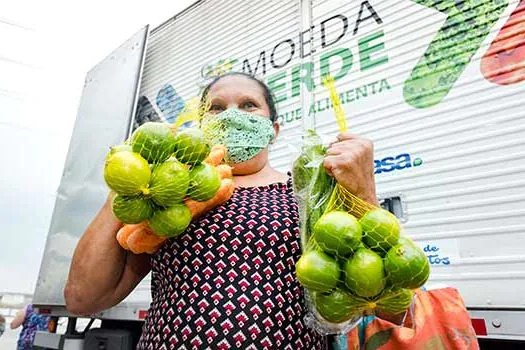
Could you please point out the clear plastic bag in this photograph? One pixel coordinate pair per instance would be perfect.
(355, 260)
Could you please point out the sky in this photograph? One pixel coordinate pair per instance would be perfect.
(46, 49)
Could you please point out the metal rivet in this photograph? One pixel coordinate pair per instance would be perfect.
(496, 323)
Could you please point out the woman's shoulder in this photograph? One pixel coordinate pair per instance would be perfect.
(275, 178)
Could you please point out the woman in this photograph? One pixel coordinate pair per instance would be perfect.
(31, 322)
(228, 281)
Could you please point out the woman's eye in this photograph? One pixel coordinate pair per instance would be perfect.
(216, 108)
(248, 105)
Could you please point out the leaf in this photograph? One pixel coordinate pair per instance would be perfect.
(379, 339)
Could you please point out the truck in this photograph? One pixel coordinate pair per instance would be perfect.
(437, 86)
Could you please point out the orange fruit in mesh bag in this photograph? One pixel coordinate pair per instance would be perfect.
(394, 301)
(127, 173)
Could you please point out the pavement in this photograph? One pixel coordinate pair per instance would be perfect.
(9, 338)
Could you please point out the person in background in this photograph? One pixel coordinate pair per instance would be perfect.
(31, 322)
(2, 325)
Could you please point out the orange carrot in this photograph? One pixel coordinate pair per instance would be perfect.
(223, 195)
(217, 154)
(139, 239)
(126, 231)
(225, 171)
(145, 242)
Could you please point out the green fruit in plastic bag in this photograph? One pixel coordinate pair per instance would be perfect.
(394, 301)
(191, 146)
(317, 271)
(302, 169)
(127, 173)
(335, 306)
(154, 141)
(406, 265)
(338, 233)
(170, 222)
(131, 210)
(169, 183)
(381, 230)
(364, 275)
(204, 182)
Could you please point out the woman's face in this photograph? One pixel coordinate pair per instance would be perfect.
(244, 94)
(237, 92)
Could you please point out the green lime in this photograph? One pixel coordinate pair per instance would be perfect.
(364, 273)
(406, 265)
(154, 141)
(338, 233)
(169, 183)
(170, 222)
(131, 210)
(381, 230)
(119, 148)
(336, 306)
(191, 146)
(204, 182)
(317, 271)
(127, 173)
(394, 301)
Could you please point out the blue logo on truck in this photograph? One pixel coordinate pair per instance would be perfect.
(399, 162)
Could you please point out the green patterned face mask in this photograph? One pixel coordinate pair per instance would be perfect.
(244, 134)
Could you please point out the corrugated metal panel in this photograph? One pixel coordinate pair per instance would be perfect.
(470, 144)
(469, 188)
(212, 31)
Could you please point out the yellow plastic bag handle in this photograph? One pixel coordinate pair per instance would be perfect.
(329, 83)
(193, 111)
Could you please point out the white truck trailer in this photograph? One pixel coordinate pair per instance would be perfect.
(428, 81)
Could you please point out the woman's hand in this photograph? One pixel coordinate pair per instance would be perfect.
(350, 160)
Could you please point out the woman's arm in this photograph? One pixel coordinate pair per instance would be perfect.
(19, 318)
(102, 274)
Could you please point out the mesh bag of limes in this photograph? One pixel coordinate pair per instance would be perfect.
(163, 178)
(355, 259)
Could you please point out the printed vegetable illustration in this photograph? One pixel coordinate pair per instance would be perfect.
(504, 61)
(467, 25)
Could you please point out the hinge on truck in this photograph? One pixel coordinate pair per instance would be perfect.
(394, 203)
